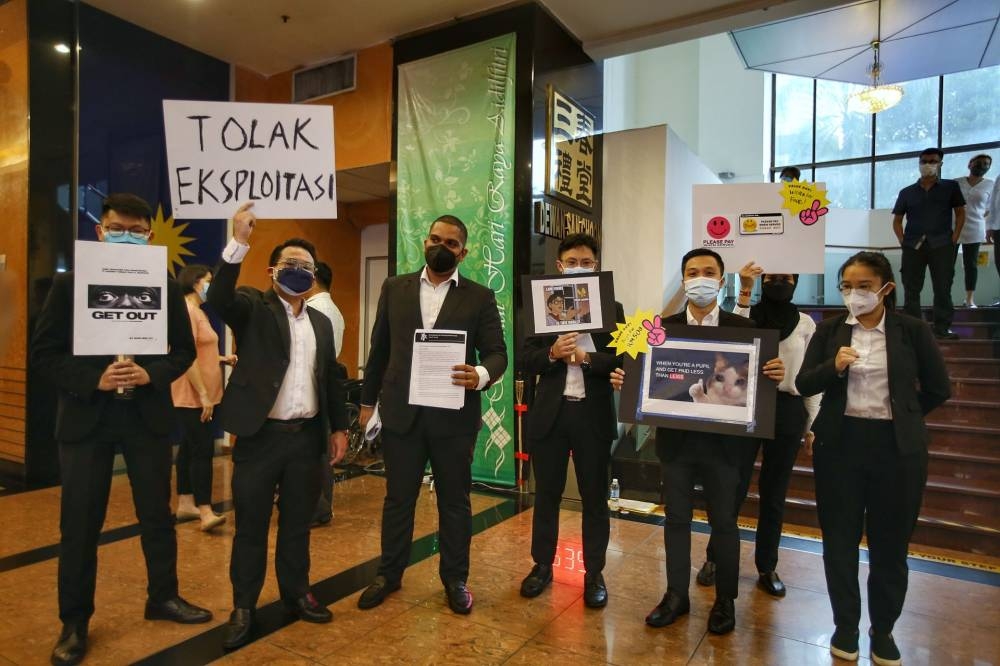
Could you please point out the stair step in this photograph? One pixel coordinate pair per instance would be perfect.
(969, 348)
(960, 466)
(969, 412)
(972, 388)
(977, 330)
(983, 368)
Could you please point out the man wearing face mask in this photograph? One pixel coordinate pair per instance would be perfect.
(977, 191)
(715, 459)
(789, 174)
(928, 240)
(573, 410)
(285, 404)
(434, 297)
(91, 426)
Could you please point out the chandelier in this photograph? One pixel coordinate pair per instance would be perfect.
(876, 97)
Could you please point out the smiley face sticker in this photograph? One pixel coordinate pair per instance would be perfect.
(719, 227)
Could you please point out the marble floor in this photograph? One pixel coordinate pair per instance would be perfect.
(946, 620)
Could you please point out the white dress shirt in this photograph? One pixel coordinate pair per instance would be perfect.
(868, 376)
(711, 319)
(977, 204)
(431, 299)
(792, 351)
(325, 304)
(298, 397)
(575, 385)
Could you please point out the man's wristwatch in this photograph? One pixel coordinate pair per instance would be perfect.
(585, 363)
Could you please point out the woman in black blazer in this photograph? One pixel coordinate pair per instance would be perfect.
(880, 373)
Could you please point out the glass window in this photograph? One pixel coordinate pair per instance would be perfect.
(840, 134)
(911, 124)
(847, 186)
(971, 112)
(891, 176)
(793, 119)
(956, 165)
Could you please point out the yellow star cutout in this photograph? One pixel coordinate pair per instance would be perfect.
(799, 196)
(631, 337)
(169, 234)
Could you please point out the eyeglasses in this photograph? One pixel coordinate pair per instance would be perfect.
(137, 233)
(930, 161)
(573, 263)
(295, 263)
(846, 289)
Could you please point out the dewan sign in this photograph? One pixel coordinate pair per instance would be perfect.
(222, 154)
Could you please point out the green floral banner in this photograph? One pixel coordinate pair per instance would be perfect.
(456, 156)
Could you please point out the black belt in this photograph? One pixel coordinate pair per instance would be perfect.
(291, 425)
(573, 398)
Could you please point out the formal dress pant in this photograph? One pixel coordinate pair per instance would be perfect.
(701, 457)
(406, 456)
(863, 484)
(970, 255)
(274, 460)
(941, 261)
(86, 467)
(550, 460)
(324, 505)
(194, 455)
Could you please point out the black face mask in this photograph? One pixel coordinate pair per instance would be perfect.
(979, 170)
(780, 292)
(440, 259)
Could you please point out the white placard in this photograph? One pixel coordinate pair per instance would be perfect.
(747, 221)
(222, 154)
(435, 353)
(120, 299)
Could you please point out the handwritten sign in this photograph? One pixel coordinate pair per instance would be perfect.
(221, 154)
(806, 201)
(637, 333)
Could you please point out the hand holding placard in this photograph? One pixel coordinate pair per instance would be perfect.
(633, 337)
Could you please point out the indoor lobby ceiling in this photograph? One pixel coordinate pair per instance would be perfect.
(254, 35)
(920, 38)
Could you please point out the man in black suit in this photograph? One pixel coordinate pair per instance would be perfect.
(285, 403)
(714, 459)
(573, 410)
(435, 297)
(91, 425)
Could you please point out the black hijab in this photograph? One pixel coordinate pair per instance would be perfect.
(778, 313)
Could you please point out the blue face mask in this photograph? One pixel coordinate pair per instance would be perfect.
(574, 270)
(203, 292)
(126, 238)
(702, 291)
(294, 281)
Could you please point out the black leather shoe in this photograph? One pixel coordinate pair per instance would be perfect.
(459, 597)
(309, 610)
(177, 610)
(238, 628)
(706, 576)
(71, 646)
(722, 619)
(671, 607)
(595, 592)
(770, 583)
(376, 593)
(945, 334)
(539, 579)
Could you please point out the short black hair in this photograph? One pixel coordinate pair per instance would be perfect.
(552, 297)
(189, 276)
(880, 266)
(982, 156)
(578, 240)
(703, 252)
(790, 171)
(128, 205)
(292, 242)
(932, 151)
(324, 275)
(455, 222)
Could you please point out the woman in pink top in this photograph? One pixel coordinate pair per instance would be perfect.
(195, 395)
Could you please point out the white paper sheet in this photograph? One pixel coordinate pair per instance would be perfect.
(435, 353)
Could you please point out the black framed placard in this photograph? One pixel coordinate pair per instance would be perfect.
(703, 378)
(582, 302)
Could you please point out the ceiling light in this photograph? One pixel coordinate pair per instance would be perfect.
(62, 48)
(876, 97)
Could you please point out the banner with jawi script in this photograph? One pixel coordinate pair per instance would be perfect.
(222, 154)
(456, 157)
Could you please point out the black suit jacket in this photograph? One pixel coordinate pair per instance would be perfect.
(918, 379)
(670, 442)
(263, 339)
(552, 383)
(81, 404)
(469, 307)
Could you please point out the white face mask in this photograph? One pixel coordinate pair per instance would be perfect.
(574, 270)
(861, 301)
(928, 170)
(702, 290)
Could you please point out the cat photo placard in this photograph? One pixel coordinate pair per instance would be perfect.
(706, 379)
(582, 302)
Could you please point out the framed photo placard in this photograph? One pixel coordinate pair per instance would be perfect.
(703, 378)
(557, 304)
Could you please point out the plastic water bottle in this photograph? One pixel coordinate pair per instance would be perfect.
(615, 494)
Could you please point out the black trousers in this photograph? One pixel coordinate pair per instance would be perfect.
(194, 455)
(324, 505)
(701, 457)
(776, 467)
(970, 254)
(87, 467)
(406, 455)
(550, 461)
(941, 261)
(864, 484)
(262, 463)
